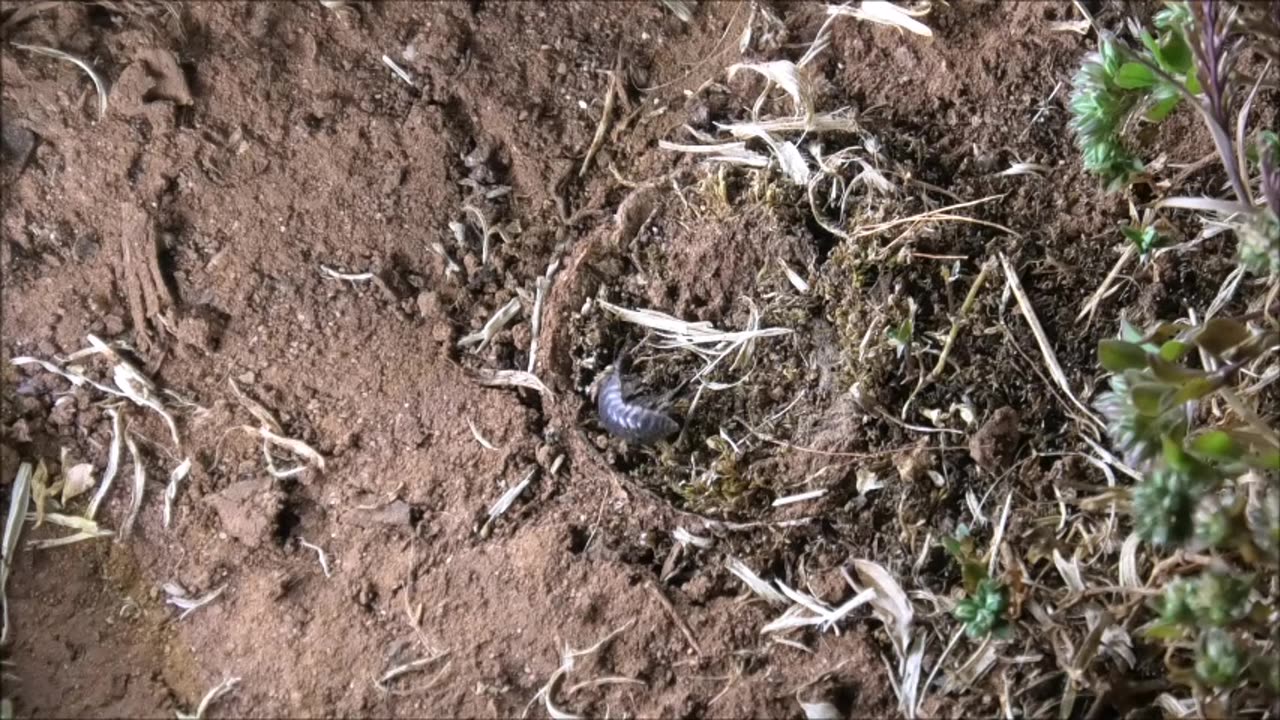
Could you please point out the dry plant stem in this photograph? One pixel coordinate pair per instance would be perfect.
(1091, 306)
(602, 129)
(959, 321)
(675, 618)
(1046, 349)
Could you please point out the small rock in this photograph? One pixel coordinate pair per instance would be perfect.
(995, 444)
(249, 510)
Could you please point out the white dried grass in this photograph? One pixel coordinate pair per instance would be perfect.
(890, 603)
(178, 598)
(210, 698)
(682, 9)
(297, 447)
(1016, 169)
(399, 71)
(475, 433)
(139, 487)
(1129, 561)
(884, 13)
(67, 540)
(785, 75)
(77, 480)
(684, 537)
(753, 581)
(1069, 570)
(19, 498)
(349, 277)
(492, 326)
(794, 278)
(701, 338)
(1042, 340)
(733, 153)
(800, 497)
(99, 85)
(321, 555)
(819, 711)
(541, 287)
(511, 378)
(504, 503)
(790, 161)
(171, 490)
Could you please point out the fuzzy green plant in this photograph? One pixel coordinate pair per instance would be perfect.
(1206, 488)
(984, 608)
(1192, 58)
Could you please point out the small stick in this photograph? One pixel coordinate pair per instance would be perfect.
(1046, 349)
(602, 129)
(675, 617)
(1091, 306)
(959, 320)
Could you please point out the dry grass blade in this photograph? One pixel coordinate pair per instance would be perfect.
(911, 668)
(74, 378)
(753, 581)
(383, 682)
(139, 487)
(492, 326)
(1069, 570)
(972, 669)
(682, 9)
(68, 540)
(399, 71)
(475, 433)
(189, 605)
(98, 84)
(1129, 561)
(77, 480)
(541, 287)
(297, 447)
(75, 522)
(789, 159)
(210, 698)
(171, 490)
(819, 710)
(735, 153)
(264, 416)
(684, 537)
(113, 462)
(504, 503)
(19, 497)
(942, 213)
(1042, 339)
(321, 555)
(1091, 306)
(785, 75)
(890, 603)
(799, 497)
(349, 277)
(511, 378)
(884, 13)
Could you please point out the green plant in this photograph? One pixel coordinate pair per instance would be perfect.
(983, 612)
(1191, 495)
(1193, 57)
(986, 602)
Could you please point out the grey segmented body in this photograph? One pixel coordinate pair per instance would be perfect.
(630, 421)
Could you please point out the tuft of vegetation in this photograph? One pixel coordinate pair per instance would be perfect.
(1192, 56)
(1207, 488)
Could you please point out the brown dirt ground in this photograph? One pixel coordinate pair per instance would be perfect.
(246, 144)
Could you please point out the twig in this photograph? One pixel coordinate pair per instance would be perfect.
(675, 617)
(602, 129)
(1046, 349)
